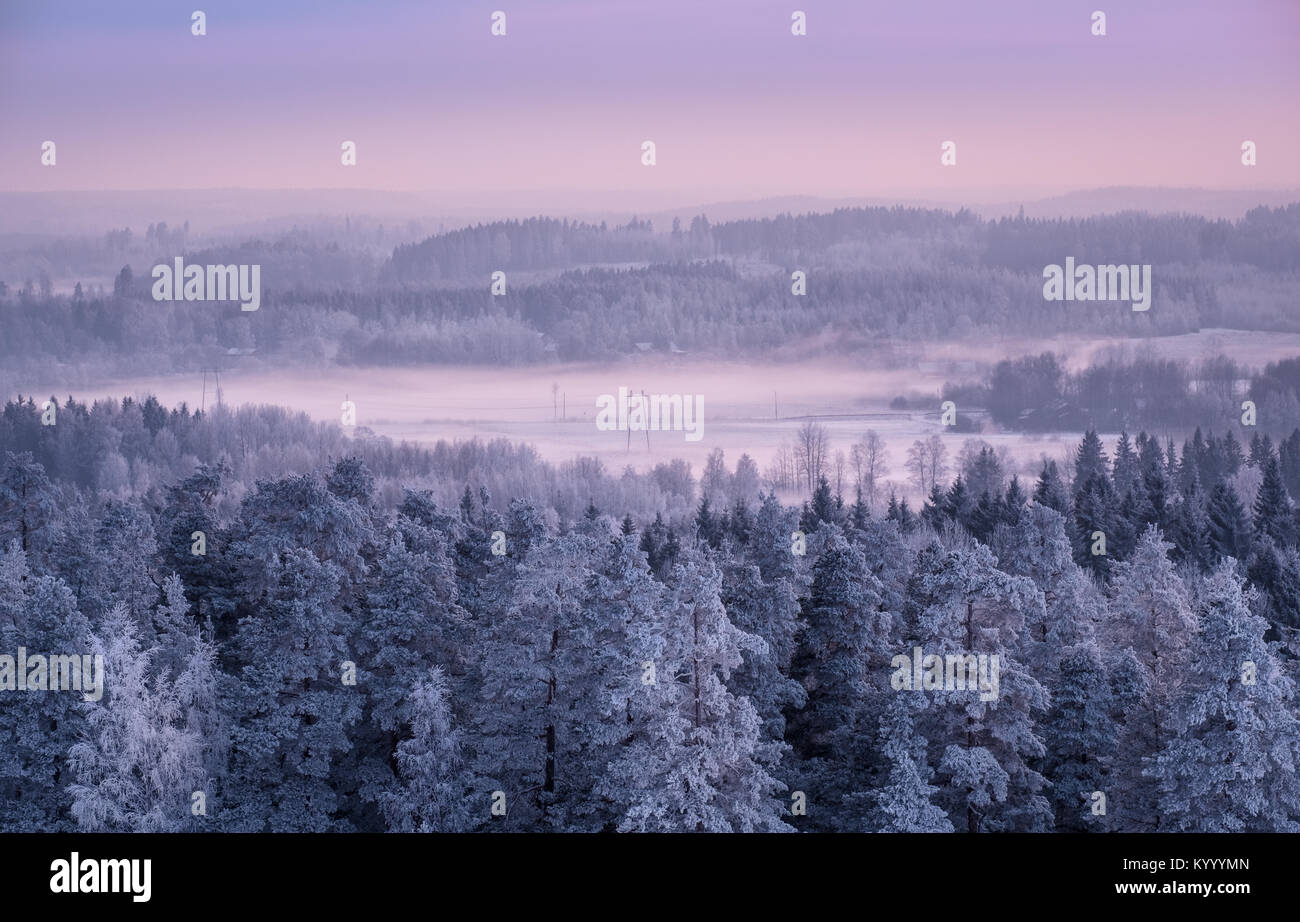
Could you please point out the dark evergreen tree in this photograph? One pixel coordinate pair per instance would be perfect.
(1127, 471)
(1233, 457)
(1229, 526)
(708, 527)
(1273, 518)
(1094, 515)
(740, 524)
(1190, 532)
(1050, 491)
(1079, 733)
(1090, 461)
(1014, 503)
(844, 644)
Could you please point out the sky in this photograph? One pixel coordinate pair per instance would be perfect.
(737, 106)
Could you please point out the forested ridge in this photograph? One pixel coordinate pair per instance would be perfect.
(672, 659)
(577, 291)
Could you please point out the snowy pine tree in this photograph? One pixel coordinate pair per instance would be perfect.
(696, 759)
(1150, 615)
(1232, 765)
(433, 787)
(959, 604)
(138, 762)
(904, 803)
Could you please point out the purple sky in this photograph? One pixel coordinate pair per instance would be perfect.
(738, 107)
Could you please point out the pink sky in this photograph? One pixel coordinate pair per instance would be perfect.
(737, 106)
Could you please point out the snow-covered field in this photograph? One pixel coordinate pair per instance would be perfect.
(748, 407)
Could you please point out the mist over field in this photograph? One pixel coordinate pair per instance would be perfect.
(752, 408)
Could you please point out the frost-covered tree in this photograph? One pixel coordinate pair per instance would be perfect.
(433, 787)
(1079, 733)
(983, 742)
(190, 509)
(1037, 547)
(121, 570)
(410, 621)
(138, 762)
(1232, 765)
(298, 513)
(770, 611)
(771, 545)
(905, 802)
(27, 507)
(842, 661)
(174, 628)
(1149, 614)
(558, 670)
(695, 759)
(289, 710)
(37, 728)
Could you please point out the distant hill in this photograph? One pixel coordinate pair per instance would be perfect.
(242, 212)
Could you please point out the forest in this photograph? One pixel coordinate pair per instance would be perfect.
(308, 632)
(577, 291)
(1126, 391)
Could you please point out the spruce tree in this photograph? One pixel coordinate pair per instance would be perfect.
(1126, 467)
(1079, 733)
(1191, 525)
(1050, 491)
(1229, 526)
(1273, 517)
(1090, 460)
(842, 662)
(1150, 615)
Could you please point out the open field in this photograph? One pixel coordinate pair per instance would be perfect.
(748, 407)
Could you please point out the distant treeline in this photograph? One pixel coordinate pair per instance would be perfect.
(1266, 237)
(134, 447)
(717, 289)
(1038, 393)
